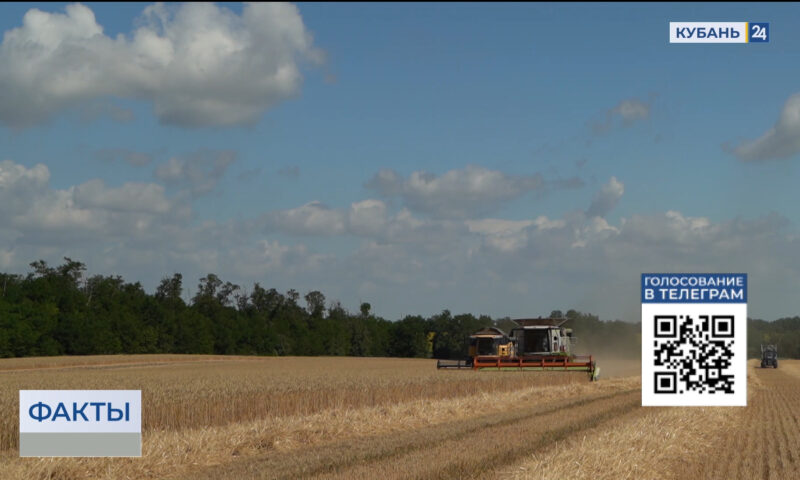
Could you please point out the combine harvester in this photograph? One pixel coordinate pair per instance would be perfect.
(535, 344)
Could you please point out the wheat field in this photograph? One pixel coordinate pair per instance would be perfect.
(210, 417)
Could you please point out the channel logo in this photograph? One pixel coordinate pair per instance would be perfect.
(80, 423)
(718, 32)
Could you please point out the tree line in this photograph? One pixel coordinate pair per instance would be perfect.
(61, 311)
(783, 332)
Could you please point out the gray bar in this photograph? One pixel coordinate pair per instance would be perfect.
(80, 444)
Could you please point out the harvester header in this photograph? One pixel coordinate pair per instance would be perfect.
(534, 344)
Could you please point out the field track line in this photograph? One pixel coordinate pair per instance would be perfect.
(477, 455)
(765, 443)
(367, 457)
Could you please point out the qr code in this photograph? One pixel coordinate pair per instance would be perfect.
(693, 354)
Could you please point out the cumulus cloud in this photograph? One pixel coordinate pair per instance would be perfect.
(130, 197)
(497, 266)
(372, 219)
(32, 210)
(368, 217)
(254, 259)
(198, 172)
(592, 230)
(627, 112)
(313, 218)
(509, 235)
(606, 199)
(199, 64)
(497, 226)
(460, 193)
(780, 141)
(524, 267)
(135, 230)
(15, 176)
(632, 110)
(19, 185)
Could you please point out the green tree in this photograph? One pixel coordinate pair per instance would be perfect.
(315, 304)
(409, 337)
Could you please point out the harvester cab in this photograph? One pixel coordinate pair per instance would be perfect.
(490, 341)
(769, 356)
(536, 336)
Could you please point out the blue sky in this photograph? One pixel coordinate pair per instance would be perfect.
(504, 159)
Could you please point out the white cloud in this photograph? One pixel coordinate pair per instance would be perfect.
(496, 266)
(626, 112)
(503, 235)
(631, 110)
(255, 259)
(509, 235)
(130, 197)
(671, 228)
(606, 199)
(387, 182)
(594, 229)
(497, 226)
(780, 141)
(19, 185)
(199, 172)
(14, 175)
(367, 217)
(30, 209)
(313, 218)
(461, 193)
(56, 211)
(198, 63)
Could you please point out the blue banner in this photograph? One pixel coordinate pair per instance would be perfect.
(694, 288)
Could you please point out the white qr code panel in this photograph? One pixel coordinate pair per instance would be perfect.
(694, 354)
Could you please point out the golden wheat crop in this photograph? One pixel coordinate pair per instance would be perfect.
(210, 410)
(341, 418)
(759, 441)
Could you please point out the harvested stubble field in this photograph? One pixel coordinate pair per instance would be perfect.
(208, 417)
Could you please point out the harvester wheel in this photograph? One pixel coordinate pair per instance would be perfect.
(775, 364)
(763, 365)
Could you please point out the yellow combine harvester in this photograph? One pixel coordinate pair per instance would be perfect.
(535, 344)
(490, 341)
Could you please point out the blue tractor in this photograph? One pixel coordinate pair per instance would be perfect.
(769, 356)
